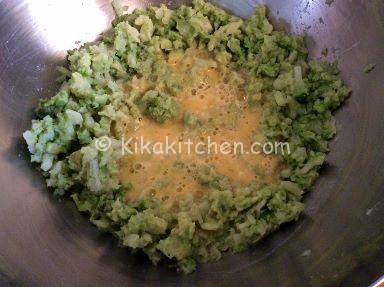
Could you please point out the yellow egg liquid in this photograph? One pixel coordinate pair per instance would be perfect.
(221, 105)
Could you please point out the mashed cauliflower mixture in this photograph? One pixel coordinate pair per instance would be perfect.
(191, 73)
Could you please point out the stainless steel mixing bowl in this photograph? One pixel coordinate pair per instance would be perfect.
(339, 241)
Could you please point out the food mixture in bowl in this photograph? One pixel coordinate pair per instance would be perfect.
(225, 95)
(210, 103)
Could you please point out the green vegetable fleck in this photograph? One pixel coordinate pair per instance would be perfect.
(159, 106)
(369, 68)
